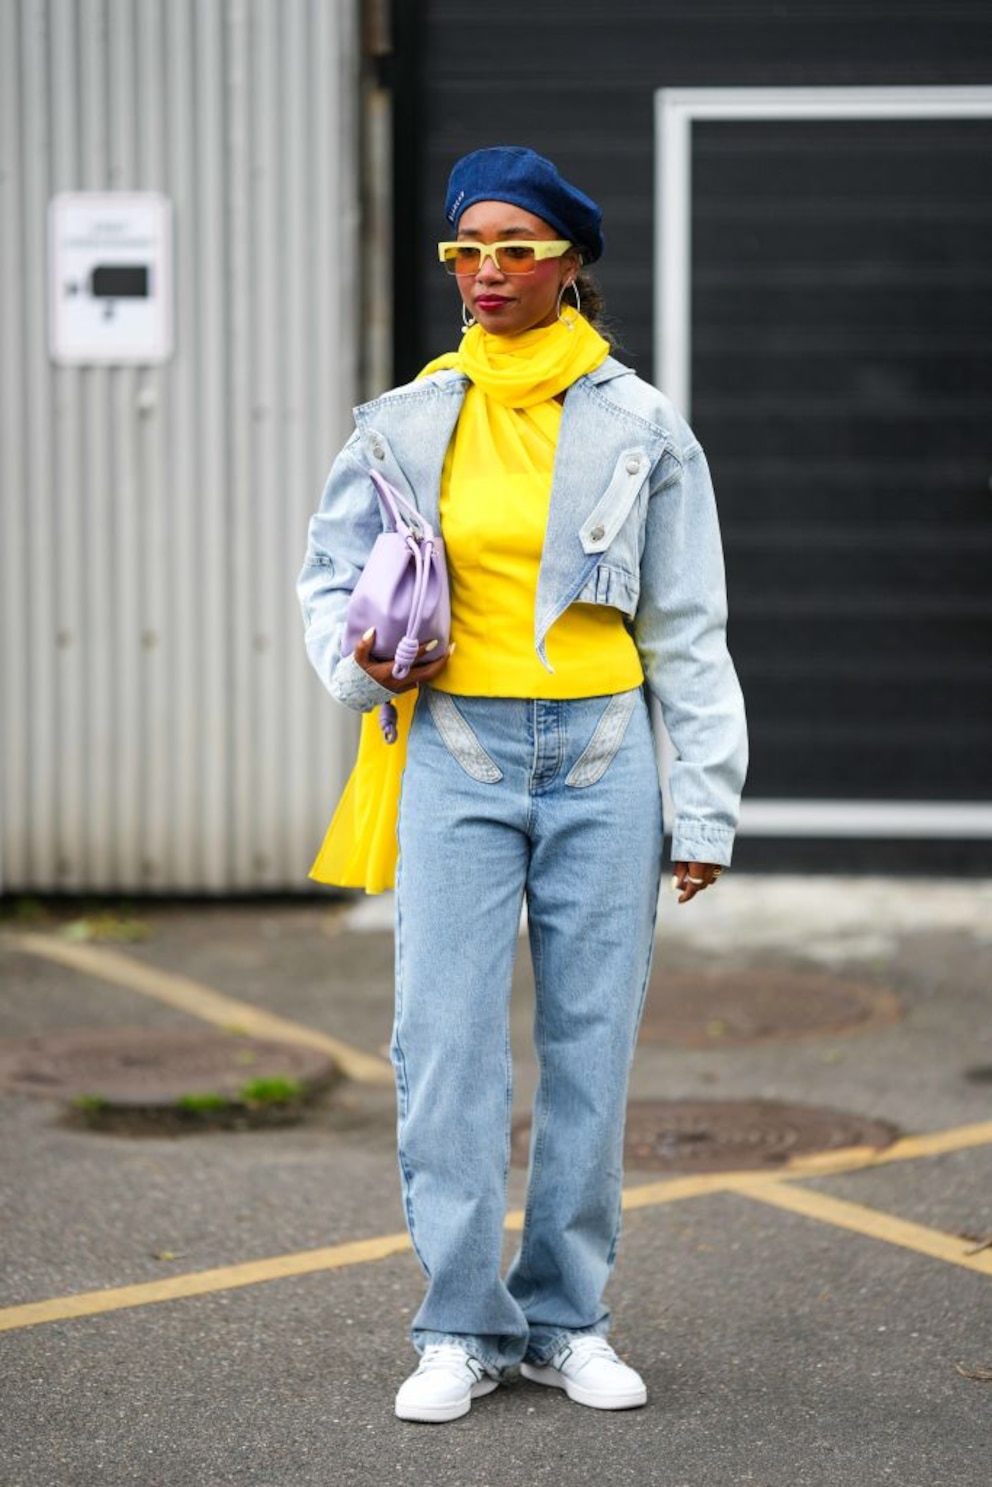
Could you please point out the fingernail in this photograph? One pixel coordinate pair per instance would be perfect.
(369, 633)
(674, 885)
(430, 646)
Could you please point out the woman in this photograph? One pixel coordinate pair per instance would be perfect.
(586, 568)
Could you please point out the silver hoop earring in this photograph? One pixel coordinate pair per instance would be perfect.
(573, 286)
(467, 320)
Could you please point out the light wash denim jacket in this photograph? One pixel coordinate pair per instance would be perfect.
(632, 524)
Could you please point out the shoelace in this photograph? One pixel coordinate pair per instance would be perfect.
(584, 1349)
(443, 1355)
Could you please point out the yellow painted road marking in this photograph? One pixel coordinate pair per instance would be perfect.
(870, 1222)
(674, 1189)
(816, 1164)
(761, 1186)
(199, 1001)
(202, 1282)
(906, 1149)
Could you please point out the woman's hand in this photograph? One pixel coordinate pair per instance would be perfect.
(382, 671)
(690, 878)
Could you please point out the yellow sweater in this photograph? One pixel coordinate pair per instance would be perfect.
(495, 495)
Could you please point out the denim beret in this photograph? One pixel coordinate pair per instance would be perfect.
(518, 175)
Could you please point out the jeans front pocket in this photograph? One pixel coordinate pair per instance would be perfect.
(460, 740)
(603, 747)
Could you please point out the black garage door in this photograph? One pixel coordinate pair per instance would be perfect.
(842, 386)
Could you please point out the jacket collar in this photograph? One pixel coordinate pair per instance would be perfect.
(608, 370)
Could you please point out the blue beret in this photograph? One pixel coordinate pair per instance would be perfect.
(512, 173)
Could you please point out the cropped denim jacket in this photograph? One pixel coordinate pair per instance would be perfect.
(632, 524)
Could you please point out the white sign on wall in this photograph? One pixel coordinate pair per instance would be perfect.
(110, 278)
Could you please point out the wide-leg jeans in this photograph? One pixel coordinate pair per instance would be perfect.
(556, 803)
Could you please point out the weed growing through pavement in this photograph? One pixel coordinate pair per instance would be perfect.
(275, 1090)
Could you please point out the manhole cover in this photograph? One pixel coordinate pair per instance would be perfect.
(132, 1068)
(713, 1009)
(728, 1135)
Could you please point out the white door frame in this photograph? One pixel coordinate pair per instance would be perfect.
(676, 110)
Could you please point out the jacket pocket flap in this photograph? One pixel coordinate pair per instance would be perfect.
(611, 511)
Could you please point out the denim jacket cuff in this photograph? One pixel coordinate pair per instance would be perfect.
(354, 687)
(693, 842)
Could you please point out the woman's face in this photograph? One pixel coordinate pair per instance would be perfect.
(507, 304)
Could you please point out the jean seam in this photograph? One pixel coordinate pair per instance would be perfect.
(615, 1240)
(402, 1084)
(508, 1106)
(508, 1064)
(399, 1064)
(542, 1114)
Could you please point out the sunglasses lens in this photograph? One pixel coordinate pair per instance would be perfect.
(516, 259)
(462, 258)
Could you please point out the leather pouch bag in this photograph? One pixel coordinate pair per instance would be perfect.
(402, 593)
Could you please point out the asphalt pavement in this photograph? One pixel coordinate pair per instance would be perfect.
(207, 1306)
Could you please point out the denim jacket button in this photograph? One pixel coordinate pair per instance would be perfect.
(597, 534)
(379, 451)
(633, 465)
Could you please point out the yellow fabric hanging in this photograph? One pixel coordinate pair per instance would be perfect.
(512, 372)
(359, 850)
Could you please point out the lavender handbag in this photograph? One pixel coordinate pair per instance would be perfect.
(402, 593)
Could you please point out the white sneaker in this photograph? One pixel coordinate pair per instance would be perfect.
(590, 1372)
(445, 1384)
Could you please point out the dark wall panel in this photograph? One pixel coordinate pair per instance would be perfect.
(842, 326)
(576, 81)
(842, 341)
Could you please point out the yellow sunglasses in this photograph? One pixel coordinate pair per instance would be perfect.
(509, 258)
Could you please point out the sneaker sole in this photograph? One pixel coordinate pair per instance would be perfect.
(437, 1414)
(555, 1380)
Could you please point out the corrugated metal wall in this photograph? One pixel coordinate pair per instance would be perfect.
(162, 730)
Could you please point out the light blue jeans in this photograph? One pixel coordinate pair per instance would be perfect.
(557, 802)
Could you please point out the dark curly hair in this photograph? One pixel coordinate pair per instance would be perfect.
(594, 308)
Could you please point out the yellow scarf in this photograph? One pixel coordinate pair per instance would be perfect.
(533, 367)
(513, 372)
